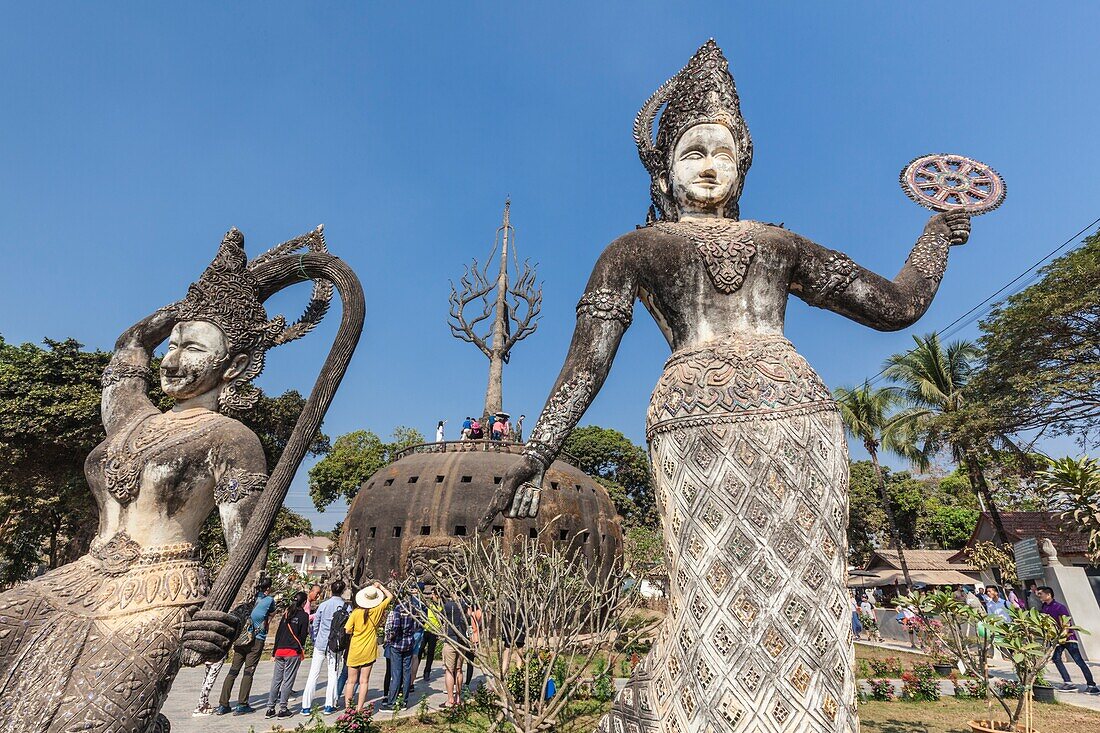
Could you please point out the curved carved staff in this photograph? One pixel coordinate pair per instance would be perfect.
(274, 272)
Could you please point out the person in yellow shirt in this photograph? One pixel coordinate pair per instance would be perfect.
(371, 604)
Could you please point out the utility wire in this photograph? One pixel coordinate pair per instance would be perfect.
(946, 331)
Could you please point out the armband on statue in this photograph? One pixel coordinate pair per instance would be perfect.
(237, 484)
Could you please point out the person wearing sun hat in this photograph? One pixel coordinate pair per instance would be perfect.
(371, 604)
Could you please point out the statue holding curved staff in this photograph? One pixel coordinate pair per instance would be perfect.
(747, 447)
(94, 645)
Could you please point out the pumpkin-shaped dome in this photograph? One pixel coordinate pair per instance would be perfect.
(434, 495)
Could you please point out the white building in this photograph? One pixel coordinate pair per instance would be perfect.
(308, 555)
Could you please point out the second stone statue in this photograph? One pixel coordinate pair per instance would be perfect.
(747, 448)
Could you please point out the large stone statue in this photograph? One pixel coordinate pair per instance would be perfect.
(95, 645)
(747, 447)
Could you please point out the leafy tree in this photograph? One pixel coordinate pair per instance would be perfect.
(929, 512)
(955, 488)
(865, 414)
(273, 420)
(49, 422)
(986, 555)
(622, 467)
(867, 523)
(933, 380)
(948, 526)
(353, 459)
(1041, 353)
(644, 551)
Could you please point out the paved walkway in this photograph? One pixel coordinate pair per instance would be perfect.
(185, 696)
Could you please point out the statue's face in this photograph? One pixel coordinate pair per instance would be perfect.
(197, 360)
(703, 172)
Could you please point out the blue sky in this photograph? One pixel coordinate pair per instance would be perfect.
(135, 134)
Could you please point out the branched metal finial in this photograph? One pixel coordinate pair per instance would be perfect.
(514, 309)
(475, 286)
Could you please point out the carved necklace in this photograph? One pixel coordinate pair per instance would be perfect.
(124, 460)
(726, 245)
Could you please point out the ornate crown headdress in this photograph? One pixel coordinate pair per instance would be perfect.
(702, 92)
(228, 295)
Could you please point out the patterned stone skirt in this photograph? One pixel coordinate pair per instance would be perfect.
(751, 474)
(84, 650)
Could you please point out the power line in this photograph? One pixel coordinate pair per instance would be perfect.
(946, 331)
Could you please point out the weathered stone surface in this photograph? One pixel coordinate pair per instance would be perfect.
(436, 494)
(94, 645)
(748, 450)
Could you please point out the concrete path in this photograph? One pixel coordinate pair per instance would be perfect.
(184, 697)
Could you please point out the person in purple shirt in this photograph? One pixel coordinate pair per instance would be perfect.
(1058, 611)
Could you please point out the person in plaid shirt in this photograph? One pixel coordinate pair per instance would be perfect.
(401, 627)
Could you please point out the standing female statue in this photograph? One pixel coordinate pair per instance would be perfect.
(95, 645)
(747, 448)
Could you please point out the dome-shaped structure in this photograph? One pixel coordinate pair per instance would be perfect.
(434, 495)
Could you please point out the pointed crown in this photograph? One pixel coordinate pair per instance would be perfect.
(228, 295)
(702, 92)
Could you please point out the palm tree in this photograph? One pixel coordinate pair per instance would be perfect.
(933, 381)
(1072, 487)
(864, 412)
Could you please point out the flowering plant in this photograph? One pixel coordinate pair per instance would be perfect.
(882, 690)
(888, 667)
(921, 683)
(356, 721)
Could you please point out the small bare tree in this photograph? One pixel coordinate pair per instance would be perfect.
(514, 310)
(564, 610)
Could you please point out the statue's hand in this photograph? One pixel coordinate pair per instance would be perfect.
(955, 225)
(518, 493)
(207, 636)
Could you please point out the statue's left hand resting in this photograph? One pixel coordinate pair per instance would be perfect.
(209, 633)
(518, 493)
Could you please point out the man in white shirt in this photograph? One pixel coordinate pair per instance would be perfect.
(322, 628)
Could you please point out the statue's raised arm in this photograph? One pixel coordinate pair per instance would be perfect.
(829, 279)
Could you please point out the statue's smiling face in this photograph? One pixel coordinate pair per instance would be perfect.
(198, 354)
(703, 172)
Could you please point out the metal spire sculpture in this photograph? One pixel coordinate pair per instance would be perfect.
(514, 309)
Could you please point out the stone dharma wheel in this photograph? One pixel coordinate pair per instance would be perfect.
(945, 182)
(415, 509)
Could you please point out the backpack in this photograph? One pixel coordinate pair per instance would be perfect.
(338, 638)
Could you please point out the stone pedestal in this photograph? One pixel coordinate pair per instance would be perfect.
(1071, 587)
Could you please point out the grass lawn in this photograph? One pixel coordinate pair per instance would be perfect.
(866, 651)
(866, 654)
(951, 716)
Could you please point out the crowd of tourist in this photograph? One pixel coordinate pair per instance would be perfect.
(992, 601)
(342, 635)
(497, 427)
